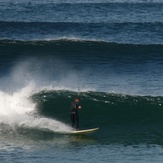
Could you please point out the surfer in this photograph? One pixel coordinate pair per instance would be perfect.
(74, 106)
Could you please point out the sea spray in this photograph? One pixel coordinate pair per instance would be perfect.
(30, 76)
(18, 110)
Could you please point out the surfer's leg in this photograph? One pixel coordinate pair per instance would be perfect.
(72, 120)
(77, 125)
(77, 121)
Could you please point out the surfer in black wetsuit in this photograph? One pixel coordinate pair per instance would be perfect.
(74, 106)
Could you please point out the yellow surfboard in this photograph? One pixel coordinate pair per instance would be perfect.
(88, 131)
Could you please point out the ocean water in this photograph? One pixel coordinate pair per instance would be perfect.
(109, 53)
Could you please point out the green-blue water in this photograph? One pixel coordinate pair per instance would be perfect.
(108, 53)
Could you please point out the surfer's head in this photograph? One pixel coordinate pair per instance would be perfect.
(77, 100)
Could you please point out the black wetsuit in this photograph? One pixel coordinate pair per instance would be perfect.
(74, 114)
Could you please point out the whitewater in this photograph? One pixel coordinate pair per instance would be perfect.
(17, 108)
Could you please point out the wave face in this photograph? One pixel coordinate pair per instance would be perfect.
(102, 109)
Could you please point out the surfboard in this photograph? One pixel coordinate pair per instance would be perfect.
(88, 131)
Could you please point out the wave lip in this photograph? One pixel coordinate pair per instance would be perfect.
(71, 40)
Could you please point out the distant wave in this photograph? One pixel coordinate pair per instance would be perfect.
(70, 40)
(67, 24)
(120, 68)
(71, 46)
(87, 1)
(100, 31)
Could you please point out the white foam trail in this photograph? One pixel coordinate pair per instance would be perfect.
(18, 110)
(45, 124)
